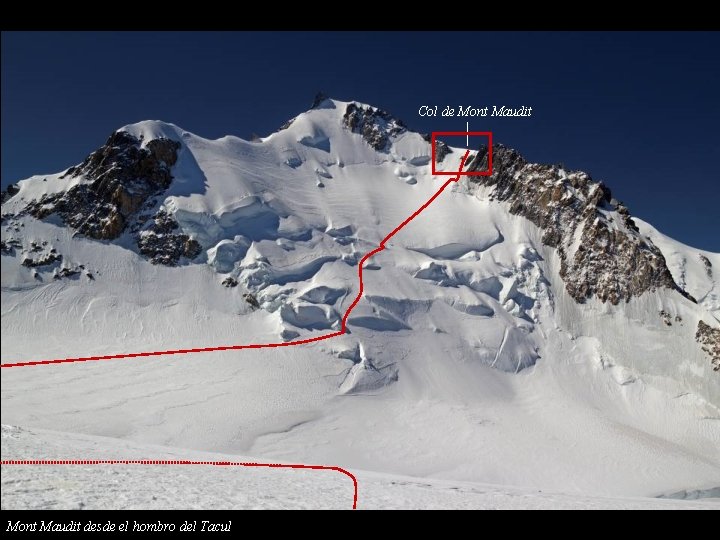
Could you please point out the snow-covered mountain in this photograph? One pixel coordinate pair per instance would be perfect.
(524, 329)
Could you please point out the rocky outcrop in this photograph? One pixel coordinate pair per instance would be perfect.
(708, 265)
(230, 282)
(8, 247)
(441, 149)
(375, 125)
(601, 251)
(66, 272)
(709, 339)
(8, 193)
(117, 191)
(117, 180)
(250, 299)
(161, 242)
(43, 260)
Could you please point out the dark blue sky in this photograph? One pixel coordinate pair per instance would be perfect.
(637, 110)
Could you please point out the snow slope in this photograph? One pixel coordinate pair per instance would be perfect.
(466, 358)
(694, 270)
(198, 486)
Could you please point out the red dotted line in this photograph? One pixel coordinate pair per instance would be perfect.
(231, 348)
(185, 462)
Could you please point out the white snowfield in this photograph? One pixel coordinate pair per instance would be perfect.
(209, 486)
(467, 366)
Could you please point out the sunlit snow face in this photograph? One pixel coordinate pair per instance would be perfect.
(465, 322)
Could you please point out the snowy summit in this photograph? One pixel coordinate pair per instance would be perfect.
(524, 331)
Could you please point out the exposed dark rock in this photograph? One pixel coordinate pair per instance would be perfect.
(119, 185)
(118, 179)
(44, 260)
(163, 223)
(441, 149)
(230, 282)
(8, 193)
(709, 340)
(708, 265)
(66, 272)
(168, 249)
(8, 247)
(162, 245)
(250, 299)
(162, 151)
(609, 262)
(665, 316)
(375, 125)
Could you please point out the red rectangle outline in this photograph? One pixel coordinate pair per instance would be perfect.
(487, 134)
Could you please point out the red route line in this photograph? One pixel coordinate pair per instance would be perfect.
(229, 348)
(185, 462)
(343, 327)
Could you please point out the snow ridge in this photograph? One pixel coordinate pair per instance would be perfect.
(501, 327)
